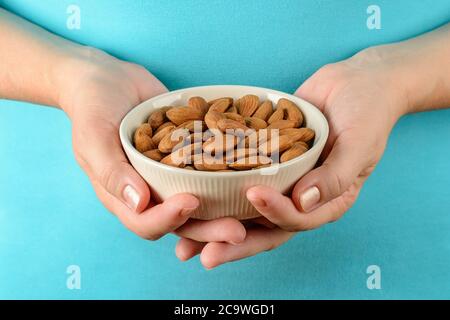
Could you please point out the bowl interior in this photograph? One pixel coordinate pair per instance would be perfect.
(314, 119)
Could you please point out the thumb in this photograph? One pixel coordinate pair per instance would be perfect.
(99, 151)
(347, 159)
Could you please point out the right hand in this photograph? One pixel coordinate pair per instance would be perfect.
(97, 92)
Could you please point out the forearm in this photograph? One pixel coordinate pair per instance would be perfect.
(417, 69)
(33, 61)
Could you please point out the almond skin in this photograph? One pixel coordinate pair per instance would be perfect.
(250, 162)
(178, 115)
(299, 134)
(297, 149)
(221, 105)
(199, 103)
(217, 144)
(292, 111)
(255, 123)
(270, 146)
(282, 124)
(230, 101)
(264, 111)
(154, 154)
(247, 105)
(212, 117)
(228, 124)
(170, 141)
(235, 117)
(193, 125)
(143, 142)
(277, 115)
(161, 134)
(209, 163)
(165, 124)
(158, 117)
(182, 156)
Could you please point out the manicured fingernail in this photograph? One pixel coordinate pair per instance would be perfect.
(309, 198)
(131, 197)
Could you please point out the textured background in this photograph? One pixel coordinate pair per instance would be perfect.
(50, 217)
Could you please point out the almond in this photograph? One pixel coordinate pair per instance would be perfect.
(297, 149)
(255, 123)
(299, 134)
(199, 103)
(178, 115)
(276, 145)
(165, 124)
(232, 109)
(212, 117)
(182, 156)
(247, 105)
(154, 154)
(209, 163)
(142, 141)
(235, 116)
(171, 140)
(250, 162)
(221, 105)
(158, 117)
(217, 144)
(230, 101)
(193, 125)
(292, 111)
(282, 124)
(161, 134)
(239, 153)
(228, 124)
(277, 115)
(264, 111)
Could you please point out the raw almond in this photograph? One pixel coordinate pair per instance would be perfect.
(292, 111)
(165, 124)
(217, 144)
(220, 105)
(158, 117)
(209, 163)
(178, 115)
(193, 125)
(276, 145)
(299, 134)
(235, 116)
(255, 123)
(170, 141)
(250, 162)
(154, 154)
(282, 124)
(161, 134)
(230, 101)
(277, 115)
(143, 142)
(182, 156)
(297, 149)
(228, 124)
(212, 117)
(264, 111)
(232, 109)
(247, 105)
(198, 103)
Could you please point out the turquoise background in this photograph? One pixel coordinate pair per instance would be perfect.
(50, 217)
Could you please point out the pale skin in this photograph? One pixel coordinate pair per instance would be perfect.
(362, 98)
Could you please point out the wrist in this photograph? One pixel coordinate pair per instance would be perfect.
(376, 65)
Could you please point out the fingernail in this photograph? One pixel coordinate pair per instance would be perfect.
(131, 197)
(309, 198)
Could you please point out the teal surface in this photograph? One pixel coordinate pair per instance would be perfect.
(50, 217)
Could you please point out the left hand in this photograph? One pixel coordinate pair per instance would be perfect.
(362, 104)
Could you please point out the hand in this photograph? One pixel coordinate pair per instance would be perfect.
(96, 99)
(362, 105)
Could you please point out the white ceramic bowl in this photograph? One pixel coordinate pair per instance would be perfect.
(220, 193)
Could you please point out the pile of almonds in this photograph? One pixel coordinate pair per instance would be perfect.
(224, 134)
